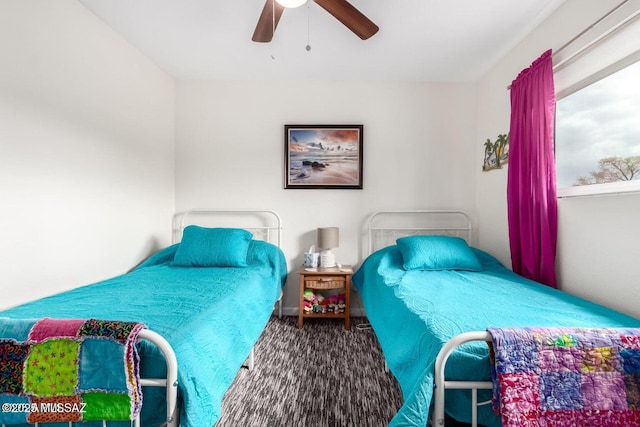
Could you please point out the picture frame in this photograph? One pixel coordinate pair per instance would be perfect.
(323, 156)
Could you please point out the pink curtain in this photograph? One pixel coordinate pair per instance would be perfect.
(531, 183)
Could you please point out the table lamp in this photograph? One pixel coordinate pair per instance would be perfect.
(327, 239)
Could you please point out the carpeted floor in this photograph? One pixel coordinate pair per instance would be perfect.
(319, 376)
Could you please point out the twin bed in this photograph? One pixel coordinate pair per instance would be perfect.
(205, 302)
(430, 300)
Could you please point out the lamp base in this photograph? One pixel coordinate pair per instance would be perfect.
(327, 259)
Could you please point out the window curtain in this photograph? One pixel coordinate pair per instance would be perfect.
(531, 182)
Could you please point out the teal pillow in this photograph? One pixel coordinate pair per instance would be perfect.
(437, 253)
(213, 247)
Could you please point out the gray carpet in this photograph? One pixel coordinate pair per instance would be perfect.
(320, 376)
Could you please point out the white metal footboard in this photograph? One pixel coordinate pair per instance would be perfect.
(442, 384)
(170, 382)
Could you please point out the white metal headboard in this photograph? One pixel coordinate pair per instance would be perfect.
(385, 227)
(264, 225)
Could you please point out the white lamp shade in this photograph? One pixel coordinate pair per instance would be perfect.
(291, 3)
(328, 237)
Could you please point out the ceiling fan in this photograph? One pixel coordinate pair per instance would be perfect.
(342, 10)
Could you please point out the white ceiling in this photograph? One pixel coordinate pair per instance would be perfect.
(419, 40)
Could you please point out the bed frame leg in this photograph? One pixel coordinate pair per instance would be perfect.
(175, 421)
(251, 359)
(474, 407)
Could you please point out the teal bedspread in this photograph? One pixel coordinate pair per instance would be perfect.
(212, 317)
(414, 313)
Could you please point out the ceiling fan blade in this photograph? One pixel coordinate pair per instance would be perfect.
(268, 22)
(351, 17)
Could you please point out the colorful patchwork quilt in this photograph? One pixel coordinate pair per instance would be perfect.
(566, 376)
(68, 370)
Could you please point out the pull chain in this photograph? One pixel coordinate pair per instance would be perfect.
(273, 27)
(308, 47)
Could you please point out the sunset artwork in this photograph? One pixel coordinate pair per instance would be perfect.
(323, 156)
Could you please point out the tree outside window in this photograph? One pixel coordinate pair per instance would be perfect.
(598, 132)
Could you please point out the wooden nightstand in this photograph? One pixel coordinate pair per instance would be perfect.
(332, 280)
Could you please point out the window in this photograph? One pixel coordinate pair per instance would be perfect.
(598, 136)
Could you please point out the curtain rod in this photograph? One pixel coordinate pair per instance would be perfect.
(596, 40)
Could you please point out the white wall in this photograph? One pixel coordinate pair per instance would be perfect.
(87, 130)
(596, 252)
(86, 150)
(418, 153)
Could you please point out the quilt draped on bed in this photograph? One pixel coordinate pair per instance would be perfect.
(562, 377)
(69, 370)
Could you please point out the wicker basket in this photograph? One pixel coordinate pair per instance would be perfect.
(325, 283)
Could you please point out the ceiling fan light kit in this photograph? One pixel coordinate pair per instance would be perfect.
(291, 3)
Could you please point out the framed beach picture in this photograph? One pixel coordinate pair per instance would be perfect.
(323, 156)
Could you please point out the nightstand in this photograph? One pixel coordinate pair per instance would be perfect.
(333, 284)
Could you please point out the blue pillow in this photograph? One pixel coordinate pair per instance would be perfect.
(437, 253)
(213, 247)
